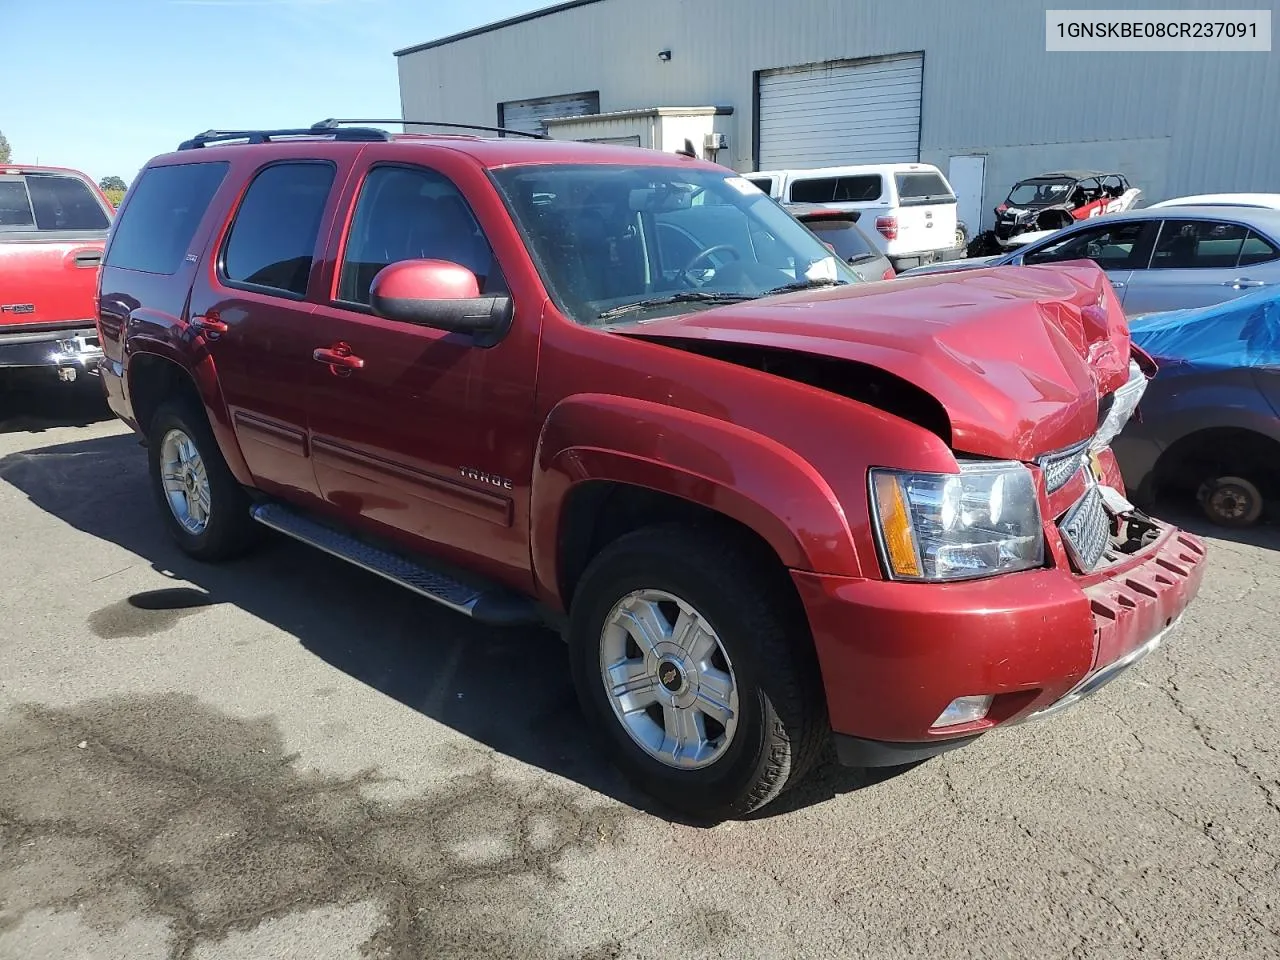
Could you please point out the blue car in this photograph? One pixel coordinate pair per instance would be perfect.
(1208, 424)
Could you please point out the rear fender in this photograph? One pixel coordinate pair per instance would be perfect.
(747, 477)
(199, 366)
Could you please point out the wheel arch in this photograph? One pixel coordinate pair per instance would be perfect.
(1229, 448)
(605, 464)
(155, 373)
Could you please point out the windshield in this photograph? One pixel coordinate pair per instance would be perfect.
(1032, 193)
(638, 242)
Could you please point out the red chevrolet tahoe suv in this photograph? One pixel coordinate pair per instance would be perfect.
(624, 393)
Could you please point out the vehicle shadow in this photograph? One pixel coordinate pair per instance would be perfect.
(33, 405)
(1265, 535)
(509, 689)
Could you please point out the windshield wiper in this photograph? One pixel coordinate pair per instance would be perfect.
(688, 296)
(804, 285)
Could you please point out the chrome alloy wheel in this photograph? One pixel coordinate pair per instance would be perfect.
(669, 680)
(185, 480)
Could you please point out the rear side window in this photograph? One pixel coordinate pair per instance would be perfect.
(857, 189)
(49, 201)
(844, 237)
(765, 185)
(1257, 250)
(920, 188)
(273, 238)
(164, 209)
(1206, 244)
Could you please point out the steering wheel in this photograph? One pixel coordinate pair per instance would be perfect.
(703, 254)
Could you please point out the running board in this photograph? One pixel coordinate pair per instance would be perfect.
(491, 605)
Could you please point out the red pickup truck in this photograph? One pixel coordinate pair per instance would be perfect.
(53, 224)
(624, 393)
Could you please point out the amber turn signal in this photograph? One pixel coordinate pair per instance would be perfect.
(895, 525)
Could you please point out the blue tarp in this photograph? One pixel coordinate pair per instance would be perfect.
(1244, 332)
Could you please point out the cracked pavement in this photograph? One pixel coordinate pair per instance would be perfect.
(285, 756)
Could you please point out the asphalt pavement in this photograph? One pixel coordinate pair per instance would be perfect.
(287, 757)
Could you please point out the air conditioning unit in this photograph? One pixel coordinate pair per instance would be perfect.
(715, 141)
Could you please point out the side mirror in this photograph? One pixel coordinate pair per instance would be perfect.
(440, 294)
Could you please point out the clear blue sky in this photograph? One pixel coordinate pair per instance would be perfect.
(103, 87)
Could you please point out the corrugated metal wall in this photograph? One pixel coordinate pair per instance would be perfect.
(1175, 122)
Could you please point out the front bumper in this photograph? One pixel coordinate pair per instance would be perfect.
(893, 655)
(76, 347)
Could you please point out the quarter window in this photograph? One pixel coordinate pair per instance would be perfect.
(412, 214)
(1112, 247)
(1257, 249)
(1198, 243)
(165, 207)
(273, 238)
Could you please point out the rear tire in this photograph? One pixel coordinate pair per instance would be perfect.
(203, 507)
(750, 644)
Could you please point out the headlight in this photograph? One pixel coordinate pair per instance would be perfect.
(947, 526)
(1124, 402)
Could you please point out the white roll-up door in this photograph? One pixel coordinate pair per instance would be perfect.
(527, 115)
(838, 113)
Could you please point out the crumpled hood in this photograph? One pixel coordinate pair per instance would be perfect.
(1017, 356)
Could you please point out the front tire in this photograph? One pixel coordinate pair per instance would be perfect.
(1234, 502)
(204, 508)
(697, 668)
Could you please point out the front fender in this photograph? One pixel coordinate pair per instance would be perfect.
(743, 475)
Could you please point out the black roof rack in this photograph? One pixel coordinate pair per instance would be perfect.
(333, 124)
(337, 130)
(211, 137)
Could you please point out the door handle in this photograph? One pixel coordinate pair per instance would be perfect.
(1119, 284)
(340, 359)
(1243, 283)
(211, 326)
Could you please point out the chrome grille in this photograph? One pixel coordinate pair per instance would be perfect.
(1061, 465)
(1086, 529)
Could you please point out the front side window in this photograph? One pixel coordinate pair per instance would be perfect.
(633, 242)
(412, 214)
(1188, 244)
(273, 239)
(1112, 247)
(164, 210)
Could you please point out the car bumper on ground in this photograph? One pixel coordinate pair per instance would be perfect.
(75, 349)
(895, 655)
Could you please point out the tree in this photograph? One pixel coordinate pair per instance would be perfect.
(112, 183)
(114, 196)
(6, 154)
